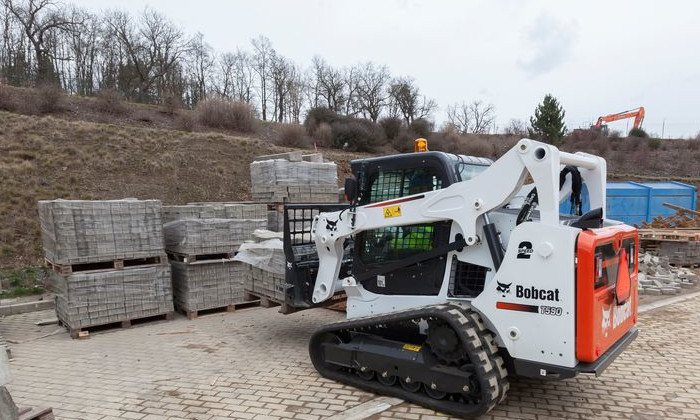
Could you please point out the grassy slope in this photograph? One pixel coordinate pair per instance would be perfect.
(48, 158)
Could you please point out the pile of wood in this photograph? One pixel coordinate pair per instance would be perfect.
(682, 219)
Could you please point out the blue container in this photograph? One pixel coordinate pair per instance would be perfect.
(636, 202)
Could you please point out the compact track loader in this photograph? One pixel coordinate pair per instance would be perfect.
(459, 275)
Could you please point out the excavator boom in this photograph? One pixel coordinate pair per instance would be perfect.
(637, 114)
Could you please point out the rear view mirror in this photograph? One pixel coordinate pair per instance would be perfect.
(351, 189)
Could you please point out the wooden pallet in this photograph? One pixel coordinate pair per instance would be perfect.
(109, 265)
(268, 302)
(26, 413)
(191, 314)
(189, 258)
(674, 235)
(84, 332)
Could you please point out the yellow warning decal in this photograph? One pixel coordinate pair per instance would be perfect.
(393, 211)
(411, 347)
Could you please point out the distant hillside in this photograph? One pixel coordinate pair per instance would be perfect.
(48, 158)
(85, 148)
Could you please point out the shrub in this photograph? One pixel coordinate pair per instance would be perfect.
(447, 141)
(292, 135)
(319, 115)
(356, 135)
(49, 99)
(109, 101)
(392, 126)
(227, 114)
(7, 99)
(143, 116)
(421, 127)
(405, 141)
(638, 132)
(185, 121)
(324, 135)
(653, 144)
(171, 103)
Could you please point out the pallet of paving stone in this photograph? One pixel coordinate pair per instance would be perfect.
(107, 265)
(295, 193)
(209, 236)
(82, 332)
(207, 285)
(85, 300)
(81, 231)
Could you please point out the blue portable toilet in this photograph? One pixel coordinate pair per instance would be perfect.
(636, 202)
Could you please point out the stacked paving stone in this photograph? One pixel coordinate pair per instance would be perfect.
(107, 260)
(265, 257)
(205, 285)
(78, 231)
(294, 178)
(680, 253)
(202, 238)
(657, 276)
(215, 211)
(209, 236)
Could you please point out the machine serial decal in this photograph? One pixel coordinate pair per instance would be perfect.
(551, 310)
(517, 307)
(535, 293)
(525, 250)
(393, 211)
(503, 288)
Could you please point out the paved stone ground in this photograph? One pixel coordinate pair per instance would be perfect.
(254, 364)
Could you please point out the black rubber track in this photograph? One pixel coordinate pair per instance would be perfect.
(477, 341)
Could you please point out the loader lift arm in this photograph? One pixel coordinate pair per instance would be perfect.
(462, 203)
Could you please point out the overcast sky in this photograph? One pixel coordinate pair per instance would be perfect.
(597, 57)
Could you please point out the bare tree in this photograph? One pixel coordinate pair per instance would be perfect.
(475, 117)
(516, 128)
(408, 101)
(38, 18)
(483, 116)
(201, 62)
(83, 46)
(280, 71)
(262, 62)
(372, 90)
(331, 84)
(153, 51)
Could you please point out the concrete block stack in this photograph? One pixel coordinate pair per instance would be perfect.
(215, 211)
(680, 252)
(201, 240)
(294, 178)
(657, 276)
(107, 261)
(265, 258)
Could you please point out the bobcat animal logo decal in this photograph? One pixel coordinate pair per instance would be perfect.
(503, 288)
(331, 226)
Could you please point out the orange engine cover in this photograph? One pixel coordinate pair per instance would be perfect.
(605, 310)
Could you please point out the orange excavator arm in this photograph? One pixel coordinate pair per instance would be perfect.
(637, 114)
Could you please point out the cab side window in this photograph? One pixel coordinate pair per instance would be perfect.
(397, 242)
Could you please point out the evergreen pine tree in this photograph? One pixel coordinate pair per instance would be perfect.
(548, 122)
